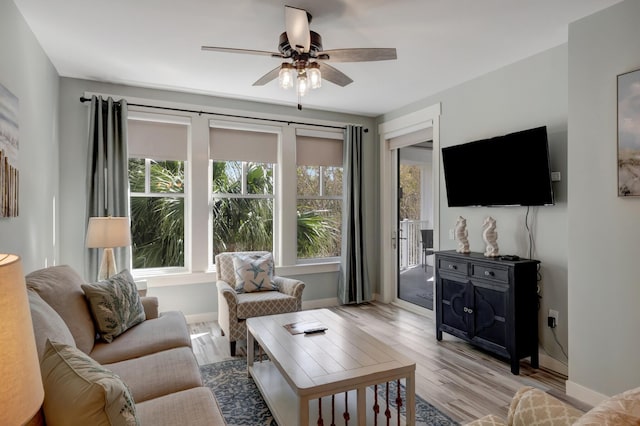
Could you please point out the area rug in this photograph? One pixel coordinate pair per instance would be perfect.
(242, 405)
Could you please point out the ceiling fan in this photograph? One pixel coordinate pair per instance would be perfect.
(306, 60)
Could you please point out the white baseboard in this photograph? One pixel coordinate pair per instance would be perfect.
(552, 364)
(320, 303)
(203, 317)
(584, 394)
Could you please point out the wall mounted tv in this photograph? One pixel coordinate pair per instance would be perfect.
(509, 170)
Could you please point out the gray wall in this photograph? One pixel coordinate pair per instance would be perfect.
(27, 72)
(192, 298)
(604, 236)
(529, 93)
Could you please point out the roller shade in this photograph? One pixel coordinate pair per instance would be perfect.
(313, 151)
(159, 141)
(242, 145)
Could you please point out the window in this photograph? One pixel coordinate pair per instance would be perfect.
(200, 186)
(319, 196)
(242, 189)
(157, 182)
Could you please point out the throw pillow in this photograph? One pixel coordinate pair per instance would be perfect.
(253, 273)
(79, 391)
(115, 305)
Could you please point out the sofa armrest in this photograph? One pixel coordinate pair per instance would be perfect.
(290, 286)
(530, 405)
(150, 305)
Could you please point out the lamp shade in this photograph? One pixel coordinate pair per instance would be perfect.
(22, 393)
(108, 232)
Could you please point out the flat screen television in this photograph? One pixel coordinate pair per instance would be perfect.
(509, 170)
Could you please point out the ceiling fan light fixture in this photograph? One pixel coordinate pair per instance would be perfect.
(285, 76)
(315, 76)
(303, 84)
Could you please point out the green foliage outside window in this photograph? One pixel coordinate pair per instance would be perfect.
(157, 218)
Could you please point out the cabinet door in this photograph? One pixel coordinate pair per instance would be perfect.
(454, 305)
(490, 313)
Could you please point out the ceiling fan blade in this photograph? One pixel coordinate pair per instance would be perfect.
(334, 75)
(359, 55)
(245, 51)
(297, 26)
(271, 75)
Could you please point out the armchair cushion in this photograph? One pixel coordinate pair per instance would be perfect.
(115, 305)
(264, 303)
(532, 407)
(253, 272)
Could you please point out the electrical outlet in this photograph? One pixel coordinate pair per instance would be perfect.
(552, 318)
(452, 235)
(556, 177)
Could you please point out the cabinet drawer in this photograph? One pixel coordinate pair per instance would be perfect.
(490, 273)
(452, 265)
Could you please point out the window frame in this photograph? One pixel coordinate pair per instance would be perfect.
(185, 195)
(199, 262)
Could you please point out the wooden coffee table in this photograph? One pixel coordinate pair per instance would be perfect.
(305, 370)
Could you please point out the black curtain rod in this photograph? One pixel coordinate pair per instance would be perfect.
(83, 100)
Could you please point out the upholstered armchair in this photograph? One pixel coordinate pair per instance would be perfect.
(237, 302)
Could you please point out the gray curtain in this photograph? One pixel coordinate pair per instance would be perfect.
(107, 173)
(353, 282)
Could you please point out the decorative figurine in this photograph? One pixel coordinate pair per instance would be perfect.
(490, 237)
(461, 235)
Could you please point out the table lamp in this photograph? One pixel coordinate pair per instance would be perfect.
(107, 233)
(21, 393)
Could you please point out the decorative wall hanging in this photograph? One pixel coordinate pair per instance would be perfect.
(9, 188)
(629, 134)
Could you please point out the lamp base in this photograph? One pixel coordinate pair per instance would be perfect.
(108, 265)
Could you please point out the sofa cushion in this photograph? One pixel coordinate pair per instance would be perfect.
(79, 391)
(264, 303)
(168, 331)
(60, 287)
(115, 305)
(159, 374)
(253, 273)
(193, 407)
(47, 324)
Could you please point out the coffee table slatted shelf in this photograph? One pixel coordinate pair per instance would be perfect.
(303, 368)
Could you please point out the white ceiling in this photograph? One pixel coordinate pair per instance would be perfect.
(156, 43)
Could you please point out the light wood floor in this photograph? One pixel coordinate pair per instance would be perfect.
(458, 379)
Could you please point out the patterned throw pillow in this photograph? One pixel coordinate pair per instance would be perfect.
(79, 391)
(253, 273)
(115, 305)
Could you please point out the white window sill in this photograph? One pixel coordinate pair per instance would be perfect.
(180, 276)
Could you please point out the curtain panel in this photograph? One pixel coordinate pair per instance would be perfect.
(353, 280)
(107, 173)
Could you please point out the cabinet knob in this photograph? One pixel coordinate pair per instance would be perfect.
(489, 273)
(469, 310)
(453, 267)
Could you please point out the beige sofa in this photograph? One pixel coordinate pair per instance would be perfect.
(154, 358)
(532, 407)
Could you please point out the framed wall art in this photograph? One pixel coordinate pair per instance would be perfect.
(9, 188)
(629, 134)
